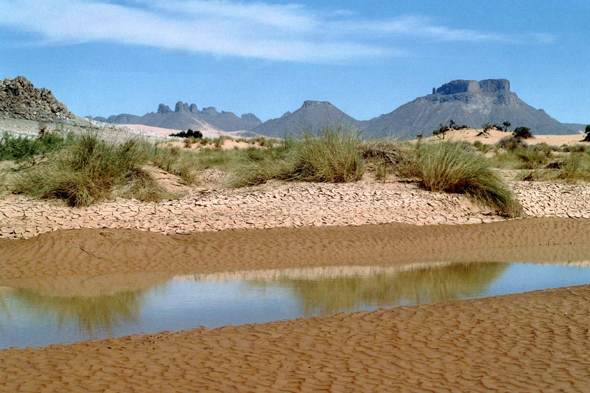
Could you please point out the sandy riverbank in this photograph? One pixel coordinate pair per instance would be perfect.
(109, 251)
(530, 342)
(522, 342)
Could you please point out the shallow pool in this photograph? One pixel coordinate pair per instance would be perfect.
(43, 312)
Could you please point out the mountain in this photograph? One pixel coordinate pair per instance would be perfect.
(19, 99)
(468, 103)
(187, 116)
(311, 116)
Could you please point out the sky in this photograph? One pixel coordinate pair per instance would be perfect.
(103, 57)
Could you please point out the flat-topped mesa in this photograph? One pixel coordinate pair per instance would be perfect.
(310, 103)
(465, 86)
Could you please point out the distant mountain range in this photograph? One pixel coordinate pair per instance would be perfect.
(187, 116)
(466, 102)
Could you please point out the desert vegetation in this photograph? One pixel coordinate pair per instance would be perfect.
(84, 169)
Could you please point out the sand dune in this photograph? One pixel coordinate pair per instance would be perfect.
(493, 136)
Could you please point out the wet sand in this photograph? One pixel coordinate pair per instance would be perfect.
(527, 342)
(537, 341)
(110, 251)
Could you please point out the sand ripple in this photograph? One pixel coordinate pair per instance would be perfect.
(530, 342)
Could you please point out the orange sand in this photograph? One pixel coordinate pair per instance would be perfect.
(493, 136)
(107, 251)
(538, 341)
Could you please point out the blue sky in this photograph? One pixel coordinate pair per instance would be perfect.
(104, 57)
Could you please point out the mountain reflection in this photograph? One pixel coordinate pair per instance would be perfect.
(425, 285)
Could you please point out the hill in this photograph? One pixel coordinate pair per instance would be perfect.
(311, 116)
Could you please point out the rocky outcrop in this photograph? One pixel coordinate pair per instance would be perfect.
(469, 103)
(19, 99)
(312, 116)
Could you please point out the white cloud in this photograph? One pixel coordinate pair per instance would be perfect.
(278, 32)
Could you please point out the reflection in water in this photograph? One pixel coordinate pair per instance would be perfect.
(416, 286)
(43, 312)
(87, 313)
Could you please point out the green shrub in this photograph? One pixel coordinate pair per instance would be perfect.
(19, 148)
(511, 143)
(188, 134)
(449, 167)
(523, 133)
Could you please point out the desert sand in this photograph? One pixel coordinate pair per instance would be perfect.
(109, 251)
(208, 131)
(528, 342)
(493, 136)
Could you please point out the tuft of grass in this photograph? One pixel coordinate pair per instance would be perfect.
(533, 158)
(482, 147)
(574, 168)
(333, 155)
(89, 171)
(449, 167)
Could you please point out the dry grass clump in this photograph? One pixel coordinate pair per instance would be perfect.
(332, 155)
(450, 167)
(90, 170)
(174, 160)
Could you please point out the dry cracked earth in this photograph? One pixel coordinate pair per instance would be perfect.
(278, 204)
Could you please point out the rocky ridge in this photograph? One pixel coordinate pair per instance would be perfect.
(185, 116)
(19, 99)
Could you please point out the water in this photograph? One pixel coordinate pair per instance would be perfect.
(68, 309)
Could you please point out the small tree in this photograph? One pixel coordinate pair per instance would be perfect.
(523, 133)
(486, 127)
(587, 131)
(506, 124)
(440, 131)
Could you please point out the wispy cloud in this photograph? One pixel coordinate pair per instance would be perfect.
(289, 32)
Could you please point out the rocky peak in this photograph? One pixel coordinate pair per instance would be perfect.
(251, 117)
(19, 99)
(164, 109)
(211, 111)
(194, 109)
(181, 107)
